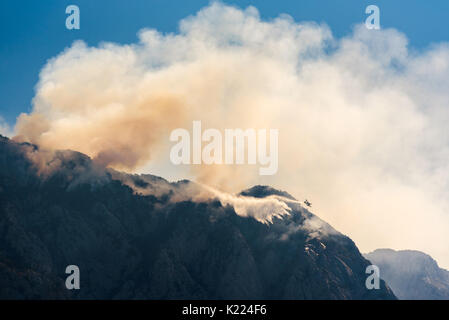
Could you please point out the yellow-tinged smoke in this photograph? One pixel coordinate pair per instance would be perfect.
(362, 122)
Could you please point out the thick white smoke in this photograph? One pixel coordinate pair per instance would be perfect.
(362, 120)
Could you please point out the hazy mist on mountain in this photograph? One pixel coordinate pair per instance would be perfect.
(411, 274)
(140, 236)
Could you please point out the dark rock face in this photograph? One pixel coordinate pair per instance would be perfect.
(411, 274)
(133, 246)
(264, 191)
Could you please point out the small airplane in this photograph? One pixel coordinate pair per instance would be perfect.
(307, 203)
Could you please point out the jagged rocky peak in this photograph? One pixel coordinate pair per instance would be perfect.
(260, 191)
(142, 237)
(411, 274)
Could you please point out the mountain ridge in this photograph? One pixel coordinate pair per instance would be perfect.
(412, 274)
(142, 237)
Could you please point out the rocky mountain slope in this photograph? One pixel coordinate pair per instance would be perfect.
(141, 237)
(411, 274)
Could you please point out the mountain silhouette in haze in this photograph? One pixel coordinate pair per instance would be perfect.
(142, 237)
(413, 275)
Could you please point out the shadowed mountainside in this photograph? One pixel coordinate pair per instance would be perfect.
(413, 275)
(130, 244)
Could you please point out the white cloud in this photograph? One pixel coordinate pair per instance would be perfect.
(5, 130)
(362, 120)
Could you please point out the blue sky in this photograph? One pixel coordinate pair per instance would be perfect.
(31, 32)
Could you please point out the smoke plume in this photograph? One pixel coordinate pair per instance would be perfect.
(362, 120)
